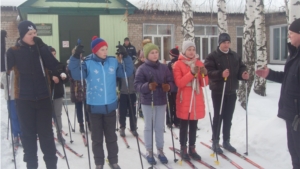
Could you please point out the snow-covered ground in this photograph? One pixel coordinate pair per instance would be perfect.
(267, 139)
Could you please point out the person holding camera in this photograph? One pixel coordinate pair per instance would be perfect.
(30, 59)
(100, 72)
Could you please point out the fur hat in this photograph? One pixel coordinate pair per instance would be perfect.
(24, 27)
(223, 37)
(97, 43)
(148, 46)
(295, 26)
(186, 45)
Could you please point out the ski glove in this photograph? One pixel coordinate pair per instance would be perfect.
(166, 87)
(38, 41)
(121, 50)
(203, 70)
(78, 51)
(152, 86)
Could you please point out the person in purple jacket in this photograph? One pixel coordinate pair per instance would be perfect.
(152, 81)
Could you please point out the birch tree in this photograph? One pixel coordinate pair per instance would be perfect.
(249, 50)
(294, 6)
(286, 2)
(187, 21)
(261, 47)
(222, 17)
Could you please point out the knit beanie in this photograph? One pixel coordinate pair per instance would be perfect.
(186, 45)
(97, 43)
(174, 52)
(223, 37)
(295, 26)
(24, 27)
(148, 46)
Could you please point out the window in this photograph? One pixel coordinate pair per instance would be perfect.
(161, 35)
(278, 47)
(239, 40)
(206, 39)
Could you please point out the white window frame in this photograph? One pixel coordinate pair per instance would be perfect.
(271, 44)
(237, 36)
(162, 38)
(209, 39)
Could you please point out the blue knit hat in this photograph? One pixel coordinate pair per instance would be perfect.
(24, 27)
(97, 43)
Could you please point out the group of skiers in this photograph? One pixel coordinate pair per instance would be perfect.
(153, 84)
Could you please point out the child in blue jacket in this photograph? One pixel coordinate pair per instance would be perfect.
(100, 72)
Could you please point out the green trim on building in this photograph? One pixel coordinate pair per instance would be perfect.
(87, 1)
(64, 7)
(114, 30)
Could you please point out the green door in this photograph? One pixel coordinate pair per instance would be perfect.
(72, 28)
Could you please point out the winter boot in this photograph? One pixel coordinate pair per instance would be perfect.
(81, 128)
(193, 154)
(135, 133)
(150, 158)
(228, 146)
(99, 167)
(161, 156)
(114, 166)
(183, 153)
(216, 147)
(141, 114)
(16, 141)
(122, 132)
(169, 125)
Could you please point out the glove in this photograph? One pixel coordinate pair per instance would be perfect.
(121, 51)
(38, 41)
(166, 87)
(152, 86)
(78, 51)
(195, 70)
(63, 76)
(203, 70)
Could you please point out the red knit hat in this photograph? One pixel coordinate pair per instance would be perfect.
(97, 43)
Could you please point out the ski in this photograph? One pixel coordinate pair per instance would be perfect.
(224, 156)
(200, 161)
(59, 154)
(138, 137)
(144, 155)
(69, 148)
(64, 133)
(174, 135)
(244, 158)
(125, 141)
(84, 139)
(188, 162)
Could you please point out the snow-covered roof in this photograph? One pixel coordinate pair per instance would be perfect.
(205, 6)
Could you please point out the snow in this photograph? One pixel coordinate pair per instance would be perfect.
(267, 138)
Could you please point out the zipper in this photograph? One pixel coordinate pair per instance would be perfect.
(104, 82)
(229, 72)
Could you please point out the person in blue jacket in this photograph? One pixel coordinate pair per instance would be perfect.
(100, 72)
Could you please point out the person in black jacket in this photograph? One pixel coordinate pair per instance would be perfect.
(289, 101)
(221, 64)
(58, 92)
(130, 49)
(28, 58)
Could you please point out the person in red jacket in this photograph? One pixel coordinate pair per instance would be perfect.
(187, 69)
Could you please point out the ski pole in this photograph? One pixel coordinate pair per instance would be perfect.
(69, 125)
(46, 80)
(131, 112)
(86, 132)
(207, 101)
(7, 127)
(118, 117)
(66, 108)
(169, 113)
(246, 85)
(75, 114)
(152, 107)
(9, 114)
(220, 119)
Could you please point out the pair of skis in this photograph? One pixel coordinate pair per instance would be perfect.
(69, 148)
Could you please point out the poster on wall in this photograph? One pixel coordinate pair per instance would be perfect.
(44, 29)
(65, 44)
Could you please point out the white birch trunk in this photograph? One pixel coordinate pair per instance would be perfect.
(249, 50)
(187, 21)
(286, 2)
(222, 17)
(261, 47)
(294, 6)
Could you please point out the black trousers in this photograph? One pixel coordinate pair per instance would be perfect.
(104, 124)
(172, 103)
(80, 112)
(184, 131)
(293, 139)
(35, 119)
(124, 106)
(227, 113)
